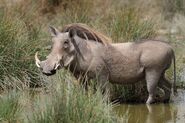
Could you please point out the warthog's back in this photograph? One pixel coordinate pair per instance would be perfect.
(155, 53)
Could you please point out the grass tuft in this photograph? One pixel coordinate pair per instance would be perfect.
(9, 107)
(69, 103)
(126, 25)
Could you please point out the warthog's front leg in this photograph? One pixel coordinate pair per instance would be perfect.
(104, 85)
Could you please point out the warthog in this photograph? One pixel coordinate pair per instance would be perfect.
(87, 52)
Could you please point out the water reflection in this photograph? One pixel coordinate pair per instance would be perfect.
(156, 113)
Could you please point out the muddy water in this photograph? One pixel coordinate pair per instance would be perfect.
(173, 112)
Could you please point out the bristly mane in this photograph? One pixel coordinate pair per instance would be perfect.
(85, 32)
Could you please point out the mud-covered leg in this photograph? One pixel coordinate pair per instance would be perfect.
(83, 80)
(166, 86)
(104, 85)
(152, 78)
(85, 83)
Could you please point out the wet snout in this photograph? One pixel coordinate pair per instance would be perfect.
(47, 68)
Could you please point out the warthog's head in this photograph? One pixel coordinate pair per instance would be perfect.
(62, 52)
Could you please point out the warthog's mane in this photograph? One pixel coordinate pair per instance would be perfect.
(85, 32)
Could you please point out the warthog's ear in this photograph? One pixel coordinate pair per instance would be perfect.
(53, 31)
(72, 33)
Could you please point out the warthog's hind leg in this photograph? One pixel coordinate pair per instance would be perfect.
(166, 86)
(152, 79)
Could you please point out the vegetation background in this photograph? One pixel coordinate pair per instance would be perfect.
(28, 96)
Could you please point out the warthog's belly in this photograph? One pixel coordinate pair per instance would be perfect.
(127, 77)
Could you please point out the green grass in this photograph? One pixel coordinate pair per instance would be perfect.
(15, 50)
(59, 102)
(9, 107)
(69, 103)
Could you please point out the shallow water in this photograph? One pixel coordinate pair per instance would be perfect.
(173, 112)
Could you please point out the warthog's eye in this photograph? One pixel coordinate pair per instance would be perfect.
(66, 44)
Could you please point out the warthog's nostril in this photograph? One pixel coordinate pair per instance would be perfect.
(41, 68)
(53, 71)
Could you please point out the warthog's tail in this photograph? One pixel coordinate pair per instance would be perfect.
(174, 89)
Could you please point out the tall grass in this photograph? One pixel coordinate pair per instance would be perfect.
(9, 107)
(69, 103)
(126, 25)
(16, 50)
(20, 38)
(59, 102)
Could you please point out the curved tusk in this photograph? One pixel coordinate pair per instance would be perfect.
(37, 61)
(57, 66)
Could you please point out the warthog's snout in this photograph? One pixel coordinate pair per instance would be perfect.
(47, 67)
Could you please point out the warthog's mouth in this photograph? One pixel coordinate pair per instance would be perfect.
(51, 73)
